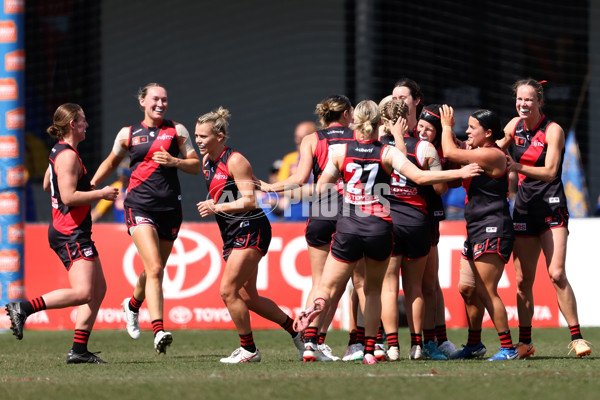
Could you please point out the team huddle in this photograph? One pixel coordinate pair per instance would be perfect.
(382, 168)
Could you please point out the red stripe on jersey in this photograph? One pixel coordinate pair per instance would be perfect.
(148, 166)
(66, 224)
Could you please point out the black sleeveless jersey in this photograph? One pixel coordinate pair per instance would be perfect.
(222, 189)
(68, 223)
(530, 147)
(487, 211)
(152, 186)
(366, 182)
(327, 140)
(406, 197)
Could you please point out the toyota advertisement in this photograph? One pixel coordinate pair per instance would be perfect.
(194, 269)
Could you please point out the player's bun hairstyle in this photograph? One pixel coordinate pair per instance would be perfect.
(366, 117)
(332, 108)
(390, 111)
(219, 119)
(63, 116)
(431, 114)
(490, 120)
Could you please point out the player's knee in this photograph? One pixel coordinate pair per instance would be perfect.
(467, 292)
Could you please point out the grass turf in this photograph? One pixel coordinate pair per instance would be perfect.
(35, 368)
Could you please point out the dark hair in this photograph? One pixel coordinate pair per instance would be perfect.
(431, 114)
(537, 86)
(332, 108)
(415, 91)
(490, 120)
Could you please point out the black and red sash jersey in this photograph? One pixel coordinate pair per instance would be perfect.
(222, 189)
(487, 211)
(406, 197)
(327, 140)
(366, 183)
(152, 186)
(68, 223)
(530, 147)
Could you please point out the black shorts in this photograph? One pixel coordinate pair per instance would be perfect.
(69, 252)
(166, 223)
(412, 242)
(319, 232)
(534, 225)
(349, 247)
(495, 245)
(258, 239)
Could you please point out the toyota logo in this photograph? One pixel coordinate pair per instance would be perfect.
(175, 285)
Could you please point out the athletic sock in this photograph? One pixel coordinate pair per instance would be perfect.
(135, 304)
(379, 339)
(247, 342)
(360, 335)
(505, 340)
(288, 326)
(416, 339)
(392, 339)
(370, 345)
(352, 337)
(33, 305)
(322, 336)
(441, 334)
(525, 334)
(311, 335)
(575, 332)
(428, 335)
(157, 326)
(474, 337)
(80, 341)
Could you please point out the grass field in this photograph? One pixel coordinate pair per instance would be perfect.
(35, 368)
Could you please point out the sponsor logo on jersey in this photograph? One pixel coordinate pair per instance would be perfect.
(220, 176)
(15, 60)
(491, 229)
(139, 140)
(8, 32)
(15, 119)
(520, 226)
(537, 143)
(519, 141)
(139, 130)
(244, 224)
(553, 200)
(164, 136)
(363, 150)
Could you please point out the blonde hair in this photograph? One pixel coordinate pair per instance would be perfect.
(219, 120)
(63, 116)
(390, 111)
(366, 117)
